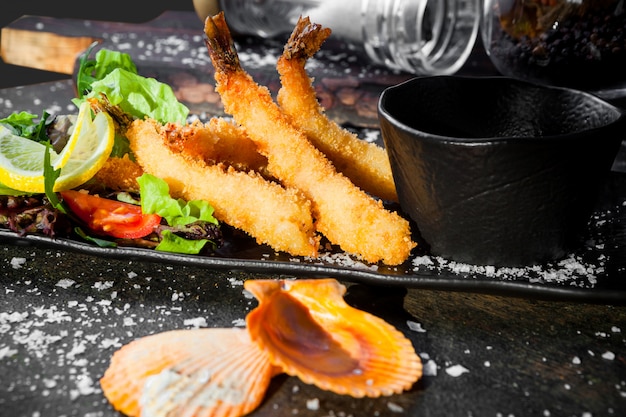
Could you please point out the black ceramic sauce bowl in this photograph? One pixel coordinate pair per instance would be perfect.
(498, 171)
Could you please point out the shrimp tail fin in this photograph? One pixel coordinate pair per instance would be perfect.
(305, 40)
(220, 44)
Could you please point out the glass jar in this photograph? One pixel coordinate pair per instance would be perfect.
(432, 37)
(572, 43)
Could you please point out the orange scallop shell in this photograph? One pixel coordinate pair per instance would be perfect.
(301, 327)
(200, 372)
(309, 331)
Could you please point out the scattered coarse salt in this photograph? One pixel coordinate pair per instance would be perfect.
(371, 135)
(100, 286)
(196, 323)
(456, 370)
(580, 269)
(129, 321)
(395, 407)
(313, 404)
(239, 323)
(49, 382)
(112, 342)
(36, 341)
(429, 368)
(51, 315)
(423, 260)
(78, 348)
(341, 259)
(571, 270)
(16, 263)
(576, 360)
(608, 355)
(6, 352)
(416, 327)
(65, 283)
(14, 317)
(235, 282)
(84, 386)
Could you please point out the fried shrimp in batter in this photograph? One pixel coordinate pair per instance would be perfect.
(345, 214)
(218, 141)
(366, 164)
(119, 174)
(273, 215)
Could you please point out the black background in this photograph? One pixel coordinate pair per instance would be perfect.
(109, 10)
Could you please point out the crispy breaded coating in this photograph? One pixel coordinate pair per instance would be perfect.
(273, 215)
(366, 164)
(345, 214)
(119, 174)
(217, 141)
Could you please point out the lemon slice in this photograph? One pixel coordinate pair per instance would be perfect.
(22, 160)
(90, 153)
(84, 117)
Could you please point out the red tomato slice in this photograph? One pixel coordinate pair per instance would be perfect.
(110, 217)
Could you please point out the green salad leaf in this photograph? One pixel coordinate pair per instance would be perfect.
(178, 213)
(171, 242)
(23, 124)
(50, 176)
(140, 96)
(91, 70)
(155, 198)
(114, 74)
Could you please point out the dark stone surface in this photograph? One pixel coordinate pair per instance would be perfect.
(62, 315)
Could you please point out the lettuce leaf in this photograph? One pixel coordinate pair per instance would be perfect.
(155, 198)
(114, 74)
(91, 70)
(140, 96)
(171, 242)
(178, 213)
(23, 124)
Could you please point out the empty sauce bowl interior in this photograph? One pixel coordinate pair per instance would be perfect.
(493, 107)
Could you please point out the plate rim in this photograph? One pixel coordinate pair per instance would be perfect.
(318, 270)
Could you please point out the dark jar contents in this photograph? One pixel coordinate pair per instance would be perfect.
(571, 43)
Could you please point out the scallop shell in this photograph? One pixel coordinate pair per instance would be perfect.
(200, 372)
(309, 331)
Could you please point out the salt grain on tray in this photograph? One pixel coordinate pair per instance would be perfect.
(456, 370)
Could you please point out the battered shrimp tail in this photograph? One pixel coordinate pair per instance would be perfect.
(306, 39)
(220, 44)
(366, 164)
